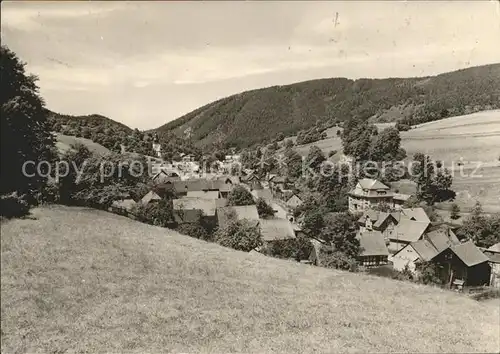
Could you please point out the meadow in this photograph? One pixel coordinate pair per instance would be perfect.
(78, 279)
(64, 143)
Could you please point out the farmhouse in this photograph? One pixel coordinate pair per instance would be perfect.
(379, 221)
(368, 194)
(373, 249)
(151, 196)
(405, 232)
(493, 254)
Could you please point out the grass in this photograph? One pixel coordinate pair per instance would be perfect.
(64, 143)
(78, 279)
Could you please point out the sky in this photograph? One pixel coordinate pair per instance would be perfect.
(146, 63)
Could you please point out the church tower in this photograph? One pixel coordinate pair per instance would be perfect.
(156, 145)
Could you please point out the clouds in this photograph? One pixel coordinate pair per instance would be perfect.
(121, 58)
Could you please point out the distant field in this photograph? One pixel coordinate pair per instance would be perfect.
(473, 140)
(79, 280)
(64, 143)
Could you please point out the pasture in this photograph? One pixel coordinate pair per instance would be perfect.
(77, 279)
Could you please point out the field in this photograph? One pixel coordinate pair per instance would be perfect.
(472, 140)
(76, 279)
(64, 143)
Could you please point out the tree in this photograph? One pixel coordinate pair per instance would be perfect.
(264, 209)
(193, 230)
(288, 143)
(293, 163)
(25, 132)
(240, 196)
(433, 181)
(483, 230)
(455, 212)
(315, 158)
(383, 207)
(240, 235)
(387, 146)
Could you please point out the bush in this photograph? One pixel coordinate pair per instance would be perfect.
(13, 206)
(194, 230)
(240, 196)
(264, 209)
(240, 235)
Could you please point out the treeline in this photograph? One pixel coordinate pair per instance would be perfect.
(256, 116)
(113, 135)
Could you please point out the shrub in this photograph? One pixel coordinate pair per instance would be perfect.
(240, 196)
(194, 230)
(240, 235)
(13, 206)
(264, 209)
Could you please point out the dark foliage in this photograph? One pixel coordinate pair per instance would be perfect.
(256, 116)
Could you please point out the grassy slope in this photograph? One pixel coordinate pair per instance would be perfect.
(64, 143)
(81, 279)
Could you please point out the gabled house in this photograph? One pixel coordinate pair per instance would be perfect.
(399, 199)
(294, 201)
(203, 194)
(378, 221)
(166, 176)
(469, 265)
(405, 232)
(368, 194)
(278, 183)
(373, 250)
(151, 196)
(426, 249)
(493, 254)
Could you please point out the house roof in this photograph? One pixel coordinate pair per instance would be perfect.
(371, 214)
(203, 194)
(372, 243)
(187, 216)
(425, 250)
(126, 204)
(401, 197)
(469, 254)
(382, 217)
(276, 229)
(495, 248)
(295, 197)
(442, 239)
(265, 194)
(279, 179)
(409, 230)
(221, 202)
(248, 212)
(151, 195)
(371, 184)
(208, 206)
(418, 214)
(494, 257)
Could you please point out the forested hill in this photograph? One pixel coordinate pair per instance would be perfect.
(258, 115)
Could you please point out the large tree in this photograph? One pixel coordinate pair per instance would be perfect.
(483, 230)
(240, 196)
(25, 132)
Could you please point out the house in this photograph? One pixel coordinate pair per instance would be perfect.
(469, 265)
(379, 221)
(368, 194)
(493, 254)
(373, 250)
(151, 196)
(399, 199)
(264, 193)
(203, 194)
(278, 183)
(276, 230)
(426, 249)
(405, 232)
(415, 214)
(248, 212)
(192, 209)
(123, 207)
(166, 176)
(294, 201)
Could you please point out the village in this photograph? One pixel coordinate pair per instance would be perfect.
(398, 239)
